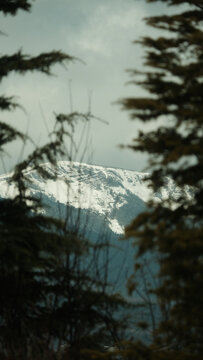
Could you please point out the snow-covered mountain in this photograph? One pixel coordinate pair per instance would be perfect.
(99, 202)
(96, 200)
(115, 195)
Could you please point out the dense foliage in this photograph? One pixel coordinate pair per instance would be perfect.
(173, 230)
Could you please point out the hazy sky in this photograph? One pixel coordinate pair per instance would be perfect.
(100, 32)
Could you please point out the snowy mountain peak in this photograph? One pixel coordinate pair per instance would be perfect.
(114, 194)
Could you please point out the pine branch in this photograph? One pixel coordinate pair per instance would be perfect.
(21, 63)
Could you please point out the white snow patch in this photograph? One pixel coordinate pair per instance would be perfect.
(115, 227)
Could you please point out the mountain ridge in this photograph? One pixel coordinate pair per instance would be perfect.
(117, 194)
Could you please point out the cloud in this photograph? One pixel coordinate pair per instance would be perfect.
(108, 26)
(101, 34)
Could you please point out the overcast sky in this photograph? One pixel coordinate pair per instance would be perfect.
(100, 32)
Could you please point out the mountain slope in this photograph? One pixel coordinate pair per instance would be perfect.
(98, 202)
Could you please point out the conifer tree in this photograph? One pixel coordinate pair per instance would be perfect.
(51, 296)
(172, 230)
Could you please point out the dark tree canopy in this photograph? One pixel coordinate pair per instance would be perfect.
(173, 230)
